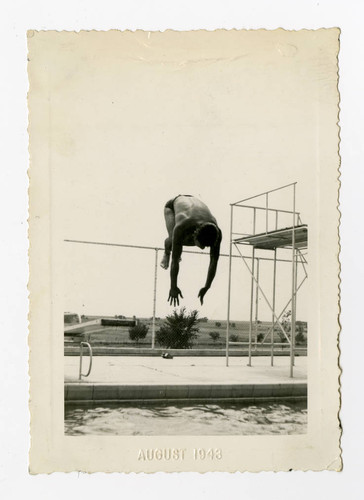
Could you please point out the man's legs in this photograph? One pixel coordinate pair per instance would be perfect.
(170, 222)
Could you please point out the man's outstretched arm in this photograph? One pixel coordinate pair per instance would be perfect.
(214, 257)
(174, 291)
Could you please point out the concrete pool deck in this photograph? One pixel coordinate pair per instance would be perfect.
(115, 378)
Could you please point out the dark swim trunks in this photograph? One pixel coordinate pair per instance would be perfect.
(170, 203)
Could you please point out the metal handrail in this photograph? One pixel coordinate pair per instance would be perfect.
(86, 344)
(264, 193)
(265, 208)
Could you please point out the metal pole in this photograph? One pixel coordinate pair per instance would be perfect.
(266, 213)
(229, 286)
(154, 296)
(81, 353)
(251, 308)
(293, 321)
(303, 261)
(294, 313)
(273, 307)
(256, 306)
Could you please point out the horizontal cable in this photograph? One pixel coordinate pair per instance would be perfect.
(123, 245)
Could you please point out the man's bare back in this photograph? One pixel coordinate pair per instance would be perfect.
(189, 222)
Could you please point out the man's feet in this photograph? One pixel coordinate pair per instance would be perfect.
(165, 261)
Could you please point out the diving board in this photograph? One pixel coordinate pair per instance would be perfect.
(280, 238)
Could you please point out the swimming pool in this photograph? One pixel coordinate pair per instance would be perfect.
(181, 419)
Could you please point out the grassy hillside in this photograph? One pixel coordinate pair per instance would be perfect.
(239, 331)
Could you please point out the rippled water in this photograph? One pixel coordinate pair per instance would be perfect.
(197, 419)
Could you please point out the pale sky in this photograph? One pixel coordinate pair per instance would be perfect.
(137, 118)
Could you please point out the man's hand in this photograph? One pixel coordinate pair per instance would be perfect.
(202, 293)
(173, 296)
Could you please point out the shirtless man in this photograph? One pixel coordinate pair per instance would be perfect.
(189, 222)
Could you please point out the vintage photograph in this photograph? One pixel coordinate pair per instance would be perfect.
(184, 243)
(237, 371)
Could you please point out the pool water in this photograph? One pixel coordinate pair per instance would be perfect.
(196, 419)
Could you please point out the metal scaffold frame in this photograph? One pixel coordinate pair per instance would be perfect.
(293, 238)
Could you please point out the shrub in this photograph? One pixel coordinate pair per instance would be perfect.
(138, 332)
(234, 337)
(218, 324)
(260, 337)
(282, 338)
(214, 335)
(286, 324)
(179, 330)
(300, 338)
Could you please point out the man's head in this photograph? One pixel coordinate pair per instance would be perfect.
(206, 235)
